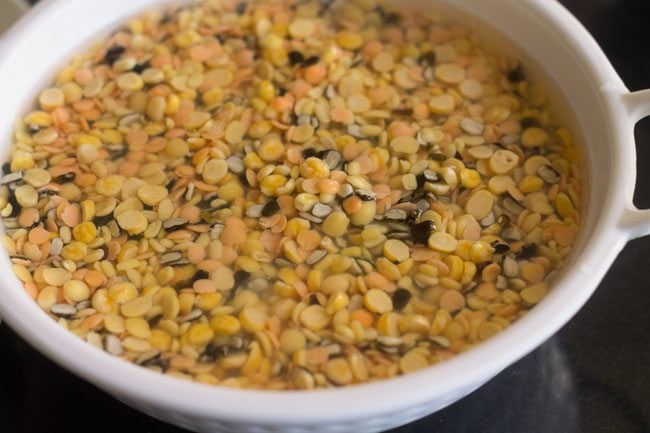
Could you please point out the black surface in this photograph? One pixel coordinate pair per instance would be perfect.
(592, 377)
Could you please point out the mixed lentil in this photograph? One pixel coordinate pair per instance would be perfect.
(289, 195)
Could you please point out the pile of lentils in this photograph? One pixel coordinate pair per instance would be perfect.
(289, 195)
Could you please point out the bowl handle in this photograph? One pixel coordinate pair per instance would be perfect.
(636, 222)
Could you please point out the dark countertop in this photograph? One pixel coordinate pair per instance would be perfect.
(592, 377)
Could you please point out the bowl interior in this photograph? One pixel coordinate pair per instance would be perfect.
(542, 31)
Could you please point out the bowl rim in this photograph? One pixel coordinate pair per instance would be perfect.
(298, 407)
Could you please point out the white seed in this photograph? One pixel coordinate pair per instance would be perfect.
(471, 126)
(321, 210)
(235, 164)
(113, 345)
(254, 211)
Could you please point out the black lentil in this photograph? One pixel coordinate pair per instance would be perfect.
(157, 361)
(118, 153)
(310, 61)
(421, 180)
(392, 18)
(113, 54)
(437, 157)
(170, 185)
(15, 207)
(516, 75)
(212, 352)
(65, 177)
(401, 298)
(296, 57)
(153, 322)
(241, 276)
(428, 58)
(403, 111)
(364, 197)
(528, 251)
(529, 122)
(420, 232)
(200, 275)
(140, 67)
(102, 220)
(270, 208)
(241, 8)
(243, 179)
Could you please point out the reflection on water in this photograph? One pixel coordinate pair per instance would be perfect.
(536, 395)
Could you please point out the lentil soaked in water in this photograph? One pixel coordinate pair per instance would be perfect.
(287, 195)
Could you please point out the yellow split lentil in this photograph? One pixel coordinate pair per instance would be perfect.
(280, 197)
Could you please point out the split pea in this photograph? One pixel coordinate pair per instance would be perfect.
(396, 250)
(377, 301)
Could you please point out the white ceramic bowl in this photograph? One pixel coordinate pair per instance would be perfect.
(605, 113)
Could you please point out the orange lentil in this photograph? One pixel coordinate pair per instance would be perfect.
(205, 286)
(71, 215)
(280, 104)
(31, 289)
(28, 217)
(209, 265)
(375, 280)
(341, 115)
(308, 239)
(317, 356)
(378, 96)
(196, 253)
(400, 129)
(136, 139)
(94, 279)
(363, 316)
(89, 179)
(300, 88)
(91, 322)
(179, 235)
(127, 169)
(328, 186)
(452, 300)
(310, 185)
(421, 111)
(371, 49)
(39, 235)
(352, 204)
(486, 291)
(314, 74)
(191, 213)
